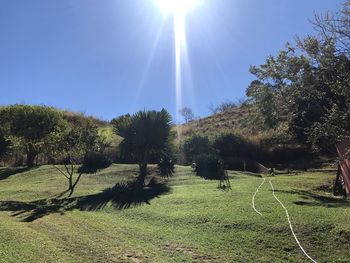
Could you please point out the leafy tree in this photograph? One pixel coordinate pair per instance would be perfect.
(106, 139)
(275, 87)
(4, 145)
(307, 88)
(92, 163)
(187, 113)
(145, 136)
(79, 141)
(120, 120)
(210, 167)
(196, 145)
(37, 127)
(231, 145)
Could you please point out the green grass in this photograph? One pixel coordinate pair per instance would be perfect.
(193, 222)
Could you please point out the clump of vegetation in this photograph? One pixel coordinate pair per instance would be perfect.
(208, 166)
(94, 162)
(305, 87)
(4, 146)
(196, 145)
(166, 166)
(224, 106)
(233, 148)
(145, 136)
(36, 128)
(187, 113)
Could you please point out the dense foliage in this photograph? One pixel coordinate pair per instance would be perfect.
(195, 145)
(93, 162)
(166, 166)
(145, 136)
(307, 86)
(209, 167)
(4, 145)
(37, 128)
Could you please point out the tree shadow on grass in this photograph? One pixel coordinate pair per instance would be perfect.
(120, 196)
(313, 199)
(7, 172)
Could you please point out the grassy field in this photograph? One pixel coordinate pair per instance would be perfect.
(188, 221)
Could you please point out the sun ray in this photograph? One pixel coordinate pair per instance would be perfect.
(179, 9)
(147, 68)
(180, 37)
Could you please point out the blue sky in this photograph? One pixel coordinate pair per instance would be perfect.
(111, 57)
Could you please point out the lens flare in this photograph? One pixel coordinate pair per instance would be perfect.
(176, 6)
(179, 10)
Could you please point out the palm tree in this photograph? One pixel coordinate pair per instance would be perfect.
(145, 135)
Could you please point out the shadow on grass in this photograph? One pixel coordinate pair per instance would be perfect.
(120, 196)
(313, 199)
(7, 172)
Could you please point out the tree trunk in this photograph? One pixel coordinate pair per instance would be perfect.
(143, 174)
(30, 158)
(70, 183)
(72, 186)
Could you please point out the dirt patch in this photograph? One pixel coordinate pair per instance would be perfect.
(192, 252)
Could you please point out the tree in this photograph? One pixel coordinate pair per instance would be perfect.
(76, 146)
(187, 113)
(210, 167)
(307, 88)
(145, 136)
(336, 26)
(4, 145)
(196, 145)
(166, 166)
(92, 163)
(232, 148)
(37, 127)
(225, 106)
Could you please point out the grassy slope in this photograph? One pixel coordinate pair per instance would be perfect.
(195, 222)
(233, 120)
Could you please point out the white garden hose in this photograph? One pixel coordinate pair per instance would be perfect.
(253, 199)
(290, 224)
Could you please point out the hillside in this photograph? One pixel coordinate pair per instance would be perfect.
(233, 120)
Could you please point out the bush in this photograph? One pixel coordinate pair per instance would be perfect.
(4, 145)
(231, 145)
(234, 150)
(209, 167)
(166, 167)
(196, 145)
(93, 162)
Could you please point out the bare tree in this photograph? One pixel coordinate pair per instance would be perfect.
(187, 113)
(336, 27)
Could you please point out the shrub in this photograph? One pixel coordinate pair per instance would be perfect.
(196, 145)
(234, 149)
(209, 167)
(93, 162)
(166, 167)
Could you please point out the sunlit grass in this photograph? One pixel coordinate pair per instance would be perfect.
(194, 222)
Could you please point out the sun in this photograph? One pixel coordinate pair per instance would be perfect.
(177, 6)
